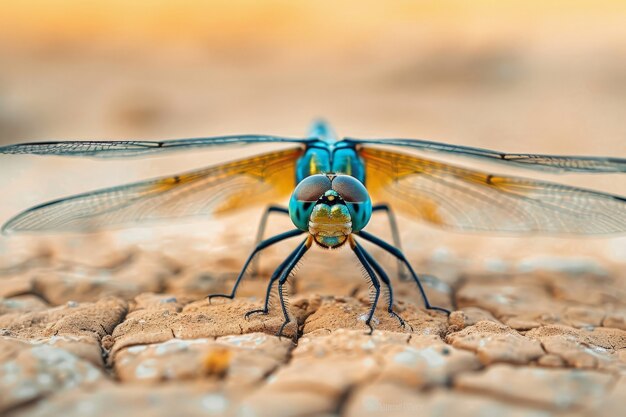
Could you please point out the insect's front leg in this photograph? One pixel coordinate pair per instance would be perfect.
(274, 278)
(385, 279)
(373, 279)
(398, 254)
(266, 243)
(283, 279)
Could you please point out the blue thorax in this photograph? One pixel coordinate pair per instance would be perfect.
(327, 155)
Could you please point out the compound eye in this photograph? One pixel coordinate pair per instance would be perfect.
(312, 188)
(350, 189)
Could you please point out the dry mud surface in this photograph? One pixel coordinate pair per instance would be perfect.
(129, 331)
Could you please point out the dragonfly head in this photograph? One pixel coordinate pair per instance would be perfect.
(330, 207)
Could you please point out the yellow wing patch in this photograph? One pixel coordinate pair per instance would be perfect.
(256, 180)
(171, 182)
(383, 170)
(272, 174)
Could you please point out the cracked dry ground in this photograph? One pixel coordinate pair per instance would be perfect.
(133, 334)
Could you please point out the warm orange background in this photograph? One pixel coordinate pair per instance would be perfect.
(520, 75)
(313, 21)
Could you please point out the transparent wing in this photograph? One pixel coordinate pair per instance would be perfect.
(467, 200)
(552, 163)
(211, 190)
(130, 148)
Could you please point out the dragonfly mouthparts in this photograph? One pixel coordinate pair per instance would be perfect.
(329, 229)
(330, 226)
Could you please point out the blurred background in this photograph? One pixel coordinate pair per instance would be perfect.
(519, 76)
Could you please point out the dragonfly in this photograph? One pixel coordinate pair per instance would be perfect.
(334, 187)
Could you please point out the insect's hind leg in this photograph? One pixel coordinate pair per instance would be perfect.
(398, 254)
(254, 267)
(395, 236)
(363, 259)
(273, 279)
(385, 279)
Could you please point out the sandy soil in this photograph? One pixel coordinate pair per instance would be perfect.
(116, 322)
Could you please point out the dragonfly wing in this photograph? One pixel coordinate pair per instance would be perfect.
(130, 148)
(207, 191)
(467, 200)
(552, 163)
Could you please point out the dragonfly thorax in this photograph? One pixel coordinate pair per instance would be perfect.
(330, 207)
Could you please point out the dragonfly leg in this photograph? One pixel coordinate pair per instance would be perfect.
(266, 243)
(254, 268)
(395, 235)
(284, 275)
(374, 280)
(273, 279)
(385, 279)
(398, 254)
